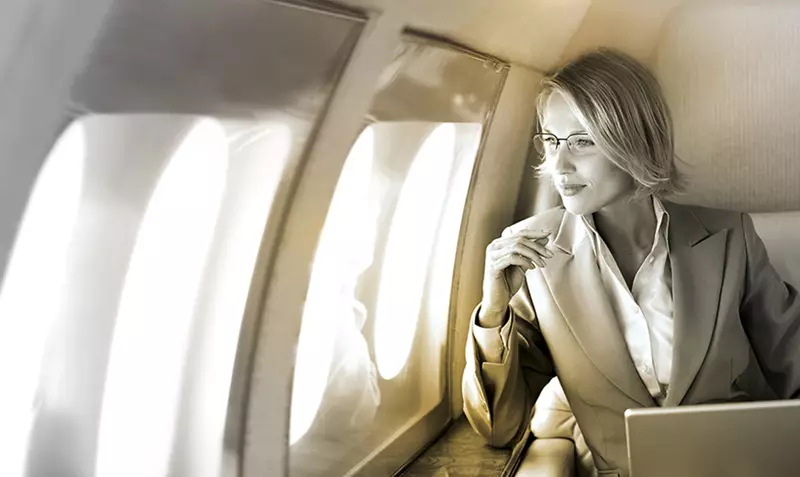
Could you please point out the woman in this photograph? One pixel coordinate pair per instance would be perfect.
(631, 300)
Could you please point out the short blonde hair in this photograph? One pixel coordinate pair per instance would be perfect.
(623, 108)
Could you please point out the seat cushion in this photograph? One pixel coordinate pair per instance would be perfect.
(553, 418)
(548, 458)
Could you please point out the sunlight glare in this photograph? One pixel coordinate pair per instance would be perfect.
(336, 266)
(409, 248)
(32, 291)
(156, 309)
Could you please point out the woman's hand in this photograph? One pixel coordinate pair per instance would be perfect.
(507, 260)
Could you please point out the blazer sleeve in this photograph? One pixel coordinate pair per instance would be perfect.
(771, 317)
(506, 369)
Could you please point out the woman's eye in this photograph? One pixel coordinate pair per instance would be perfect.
(584, 142)
(549, 140)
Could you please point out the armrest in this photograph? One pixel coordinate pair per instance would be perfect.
(550, 457)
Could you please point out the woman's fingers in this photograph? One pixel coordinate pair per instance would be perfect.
(527, 236)
(513, 259)
(531, 234)
(518, 255)
(507, 260)
(525, 249)
(538, 247)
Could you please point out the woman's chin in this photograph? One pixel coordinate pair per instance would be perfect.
(576, 206)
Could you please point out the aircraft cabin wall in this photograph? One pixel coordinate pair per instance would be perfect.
(733, 93)
(114, 109)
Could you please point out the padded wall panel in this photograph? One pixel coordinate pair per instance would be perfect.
(731, 75)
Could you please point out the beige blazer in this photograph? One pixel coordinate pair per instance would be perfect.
(735, 324)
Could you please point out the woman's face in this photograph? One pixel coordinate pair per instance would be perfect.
(586, 183)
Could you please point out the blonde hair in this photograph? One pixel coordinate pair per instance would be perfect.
(623, 108)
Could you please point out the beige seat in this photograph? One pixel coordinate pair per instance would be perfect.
(559, 448)
(551, 457)
(780, 232)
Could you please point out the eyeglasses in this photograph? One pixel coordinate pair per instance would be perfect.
(579, 144)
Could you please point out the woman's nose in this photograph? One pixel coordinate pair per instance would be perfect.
(562, 160)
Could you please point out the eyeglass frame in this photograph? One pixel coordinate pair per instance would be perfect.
(541, 134)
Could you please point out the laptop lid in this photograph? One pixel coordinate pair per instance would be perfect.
(752, 439)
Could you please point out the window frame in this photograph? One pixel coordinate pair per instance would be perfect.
(434, 423)
(271, 327)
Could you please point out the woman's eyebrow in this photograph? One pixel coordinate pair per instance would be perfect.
(574, 131)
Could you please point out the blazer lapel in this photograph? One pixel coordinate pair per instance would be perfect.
(575, 284)
(697, 259)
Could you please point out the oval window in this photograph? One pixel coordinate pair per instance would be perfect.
(333, 277)
(408, 250)
(31, 293)
(154, 319)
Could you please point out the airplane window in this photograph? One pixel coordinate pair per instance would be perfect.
(409, 248)
(137, 276)
(370, 372)
(36, 269)
(153, 323)
(154, 72)
(345, 251)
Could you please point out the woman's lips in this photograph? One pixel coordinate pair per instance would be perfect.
(571, 189)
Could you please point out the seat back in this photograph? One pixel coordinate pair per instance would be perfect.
(780, 232)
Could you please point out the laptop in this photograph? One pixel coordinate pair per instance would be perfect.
(753, 439)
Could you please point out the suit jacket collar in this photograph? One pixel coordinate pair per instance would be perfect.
(697, 260)
(577, 289)
(572, 230)
(698, 264)
(570, 233)
(688, 228)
